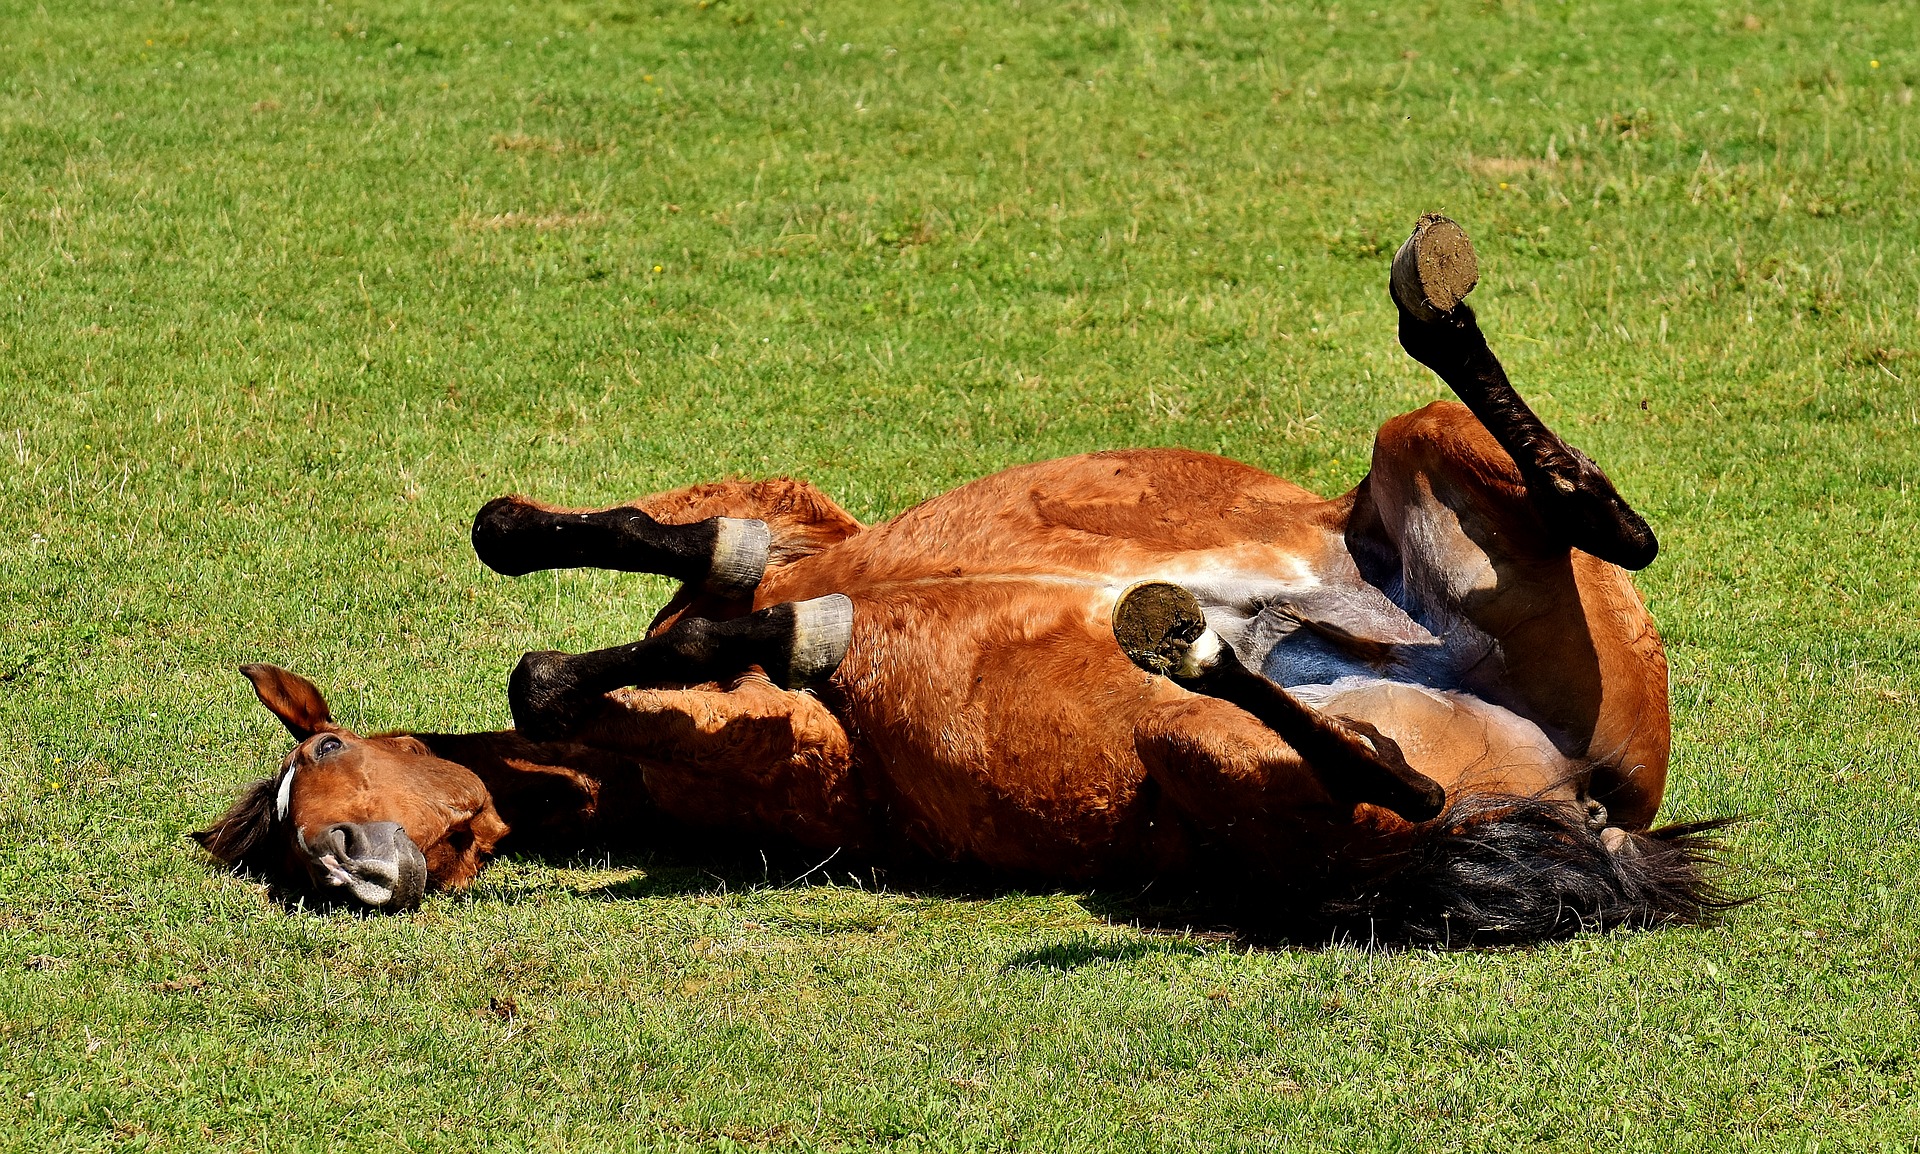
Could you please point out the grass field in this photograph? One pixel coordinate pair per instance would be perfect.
(287, 290)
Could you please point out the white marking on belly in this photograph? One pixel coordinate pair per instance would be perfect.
(1234, 590)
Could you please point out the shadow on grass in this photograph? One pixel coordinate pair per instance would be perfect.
(1174, 916)
(1090, 951)
(1187, 913)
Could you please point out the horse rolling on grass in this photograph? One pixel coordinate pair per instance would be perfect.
(1433, 709)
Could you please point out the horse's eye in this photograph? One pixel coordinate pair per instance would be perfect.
(328, 746)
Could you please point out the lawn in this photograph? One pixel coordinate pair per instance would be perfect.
(287, 291)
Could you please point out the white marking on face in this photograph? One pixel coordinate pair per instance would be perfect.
(283, 801)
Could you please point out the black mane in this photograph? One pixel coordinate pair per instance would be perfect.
(242, 835)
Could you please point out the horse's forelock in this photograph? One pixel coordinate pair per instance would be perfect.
(241, 834)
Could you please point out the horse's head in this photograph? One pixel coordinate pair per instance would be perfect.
(378, 820)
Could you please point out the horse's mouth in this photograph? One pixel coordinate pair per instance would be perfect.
(374, 863)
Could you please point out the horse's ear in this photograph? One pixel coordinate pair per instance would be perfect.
(292, 698)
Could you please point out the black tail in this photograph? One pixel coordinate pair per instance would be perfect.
(1496, 869)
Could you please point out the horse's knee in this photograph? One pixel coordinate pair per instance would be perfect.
(1438, 474)
(1445, 441)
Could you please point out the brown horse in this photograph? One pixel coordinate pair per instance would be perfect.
(1434, 706)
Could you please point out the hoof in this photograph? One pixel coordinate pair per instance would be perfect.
(740, 550)
(500, 532)
(822, 632)
(543, 696)
(1435, 270)
(1160, 627)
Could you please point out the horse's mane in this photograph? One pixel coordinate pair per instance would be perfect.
(239, 837)
(1495, 868)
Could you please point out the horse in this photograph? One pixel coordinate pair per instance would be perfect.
(1434, 707)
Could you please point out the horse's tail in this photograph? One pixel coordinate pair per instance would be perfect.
(1495, 869)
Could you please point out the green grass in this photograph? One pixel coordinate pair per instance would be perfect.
(289, 290)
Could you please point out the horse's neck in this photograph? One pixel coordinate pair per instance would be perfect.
(541, 789)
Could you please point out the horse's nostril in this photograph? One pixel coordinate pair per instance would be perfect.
(359, 841)
(339, 838)
(376, 862)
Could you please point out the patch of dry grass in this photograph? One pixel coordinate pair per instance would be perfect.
(538, 221)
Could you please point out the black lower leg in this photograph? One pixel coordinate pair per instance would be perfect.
(1574, 497)
(726, 554)
(1354, 761)
(796, 643)
(1161, 628)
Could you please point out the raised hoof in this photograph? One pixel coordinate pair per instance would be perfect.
(1161, 629)
(740, 550)
(500, 531)
(1435, 270)
(544, 697)
(822, 632)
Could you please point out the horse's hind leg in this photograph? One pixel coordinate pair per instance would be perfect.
(717, 537)
(1432, 274)
(1160, 627)
(1446, 523)
(795, 642)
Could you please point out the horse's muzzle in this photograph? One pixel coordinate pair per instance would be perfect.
(375, 863)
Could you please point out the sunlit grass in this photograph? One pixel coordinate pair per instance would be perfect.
(288, 291)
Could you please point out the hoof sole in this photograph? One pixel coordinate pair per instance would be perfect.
(1157, 624)
(1435, 270)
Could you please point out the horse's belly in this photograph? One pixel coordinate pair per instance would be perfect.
(983, 683)
(1000, 717)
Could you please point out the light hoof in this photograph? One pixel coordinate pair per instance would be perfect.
(1435, 270)
(1161, 629)
(740, 550)
(822, 632)
(1619, 842)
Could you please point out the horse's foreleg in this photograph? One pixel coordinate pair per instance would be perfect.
(725, 555)
(1160, 627)
(720, 537)
(1432, 274)
(795, 642)
(750, 758)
